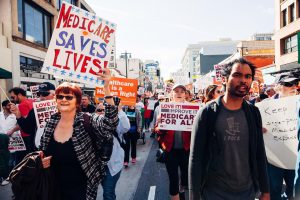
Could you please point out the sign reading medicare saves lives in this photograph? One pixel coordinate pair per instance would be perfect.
(279, 117)
(177, 116)
(80, 46)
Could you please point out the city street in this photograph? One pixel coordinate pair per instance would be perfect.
(137, 180)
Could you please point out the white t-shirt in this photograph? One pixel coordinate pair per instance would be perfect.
(139, 106)
(8, 123)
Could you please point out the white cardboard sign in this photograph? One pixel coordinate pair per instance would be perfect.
(177, 116)
(43, 110)
(80, 46)
(279, 117)
(16, 143)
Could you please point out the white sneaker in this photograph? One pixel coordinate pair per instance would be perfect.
(5, 182)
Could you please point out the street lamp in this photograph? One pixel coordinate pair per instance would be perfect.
(126, 60)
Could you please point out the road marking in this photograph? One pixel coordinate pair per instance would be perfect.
(151, 195)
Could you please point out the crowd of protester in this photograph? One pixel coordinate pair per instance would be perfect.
(198, 162)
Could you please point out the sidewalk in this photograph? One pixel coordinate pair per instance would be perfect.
(128, 182)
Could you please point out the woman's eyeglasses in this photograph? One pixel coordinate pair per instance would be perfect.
(61, 97)
(43, 94)
(100, 110)
(288, 84)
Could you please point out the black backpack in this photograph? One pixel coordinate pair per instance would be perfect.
(104, 150)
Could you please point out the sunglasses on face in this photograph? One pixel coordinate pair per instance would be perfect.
(61, 97)
(43, 94)
(219, 91)
(100, 110)
(288, 84)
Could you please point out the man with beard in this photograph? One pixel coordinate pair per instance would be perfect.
(18, 96)
(227, 155)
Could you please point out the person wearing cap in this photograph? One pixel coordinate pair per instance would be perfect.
(286, 85)
(176, 145)
(45, 92)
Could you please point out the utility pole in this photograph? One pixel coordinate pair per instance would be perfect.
(126, 61)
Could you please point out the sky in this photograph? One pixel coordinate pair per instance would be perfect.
(162, 29)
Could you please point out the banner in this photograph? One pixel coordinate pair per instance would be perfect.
(80, 46)
(16, 143)
(177, 116)
(43, 110)
(124, 88)
(34, 90)
(279, 117)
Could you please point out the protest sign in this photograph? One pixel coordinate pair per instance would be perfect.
(34, 90)
(279, 117)
(151, 104)
(218, 69)
(177, 116)
(80, 46)
(43, 110)
(16, 143)
(124, 88)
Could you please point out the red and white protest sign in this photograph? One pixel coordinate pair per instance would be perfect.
(16, 143)
(43, 110)
(177, 116)
(80, 47)
(218, 69)
(34, 90)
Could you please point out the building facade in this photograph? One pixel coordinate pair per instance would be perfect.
(26, 28)
(287, 26)
(200, 58)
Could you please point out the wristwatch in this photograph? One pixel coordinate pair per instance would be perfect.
(108, 97)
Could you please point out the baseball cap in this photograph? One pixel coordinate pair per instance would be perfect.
(46, 86)
(179, 86)
(285, 78)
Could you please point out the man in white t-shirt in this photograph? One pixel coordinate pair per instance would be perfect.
(8, 126)
(139, 104)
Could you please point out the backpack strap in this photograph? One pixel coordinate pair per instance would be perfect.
(86, 123)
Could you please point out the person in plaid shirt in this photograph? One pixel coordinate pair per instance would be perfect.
(69, 147)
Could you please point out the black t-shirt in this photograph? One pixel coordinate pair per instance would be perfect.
(71, 179)
(90, 108)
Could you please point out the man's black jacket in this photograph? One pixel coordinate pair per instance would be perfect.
(203, 143)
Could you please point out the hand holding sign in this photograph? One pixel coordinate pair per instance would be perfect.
(105, 76)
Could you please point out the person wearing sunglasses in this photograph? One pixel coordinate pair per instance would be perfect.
(69, 148)
(46, 91)
(286, 85)
(100, 109)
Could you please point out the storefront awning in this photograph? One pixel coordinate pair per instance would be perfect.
(4, 74)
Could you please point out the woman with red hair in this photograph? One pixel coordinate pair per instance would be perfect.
(69, 142)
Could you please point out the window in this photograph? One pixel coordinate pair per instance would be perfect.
(34, 23)
(290, 44)
(83, 7)
(292, 12)
(284, 18)
(59, 2)
(32, 68)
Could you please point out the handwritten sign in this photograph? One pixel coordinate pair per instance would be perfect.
(279, 117)
(218, 69)
(43, 111)
(34, 90)
(16, 143)
(151, 104)
(80, 47)
(177, 116)
(124, 88)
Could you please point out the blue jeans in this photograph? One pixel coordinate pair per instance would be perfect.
(276, 177)
(109, 185)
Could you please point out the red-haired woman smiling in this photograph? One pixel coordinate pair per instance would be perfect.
(70, 147)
